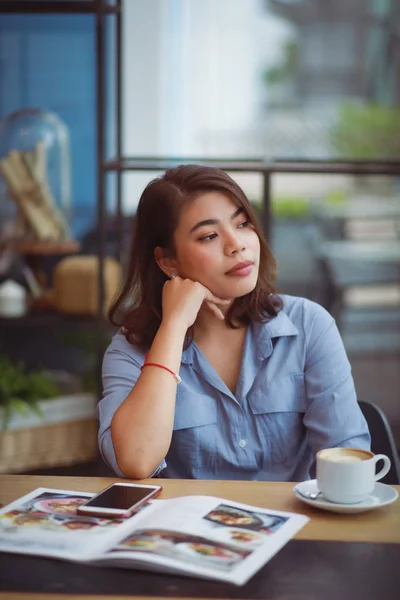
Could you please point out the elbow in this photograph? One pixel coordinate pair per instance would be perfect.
(137, 458)
(135, 468)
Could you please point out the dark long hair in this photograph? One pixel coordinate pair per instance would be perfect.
(137, 307)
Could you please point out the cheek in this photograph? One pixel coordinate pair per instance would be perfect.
(196, 260)
(253, 243)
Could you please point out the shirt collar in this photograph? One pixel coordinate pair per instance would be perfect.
(262, 334)
(187, 355)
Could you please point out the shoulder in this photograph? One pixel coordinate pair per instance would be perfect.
(299, 321)
(301, 317)
(119, 347)
(304, 312)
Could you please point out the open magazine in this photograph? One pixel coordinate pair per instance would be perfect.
(200, 536)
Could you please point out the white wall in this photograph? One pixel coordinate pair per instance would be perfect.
(141, 91)
(191, 79)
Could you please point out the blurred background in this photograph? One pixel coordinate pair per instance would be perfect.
(298, 99)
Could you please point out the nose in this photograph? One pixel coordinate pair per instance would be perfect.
(233, 243)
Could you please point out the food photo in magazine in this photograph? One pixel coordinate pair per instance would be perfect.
(201, 536)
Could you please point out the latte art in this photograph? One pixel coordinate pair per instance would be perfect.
(345, 455)
(344, 458)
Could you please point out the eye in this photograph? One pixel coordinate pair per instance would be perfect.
(208, 238)
(245, 223)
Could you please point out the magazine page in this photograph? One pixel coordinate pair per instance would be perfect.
(44, 523)
(207, 537)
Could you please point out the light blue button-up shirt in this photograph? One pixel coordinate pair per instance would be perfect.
(295, 395)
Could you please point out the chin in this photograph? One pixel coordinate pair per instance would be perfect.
(237, 290)
(244, 292)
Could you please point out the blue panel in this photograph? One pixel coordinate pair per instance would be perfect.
(48, 61)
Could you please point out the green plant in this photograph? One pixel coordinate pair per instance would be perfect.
(92, 345)
(287, 67)
(336, 197)
(367, 131)
(21, 390)
(290, 207)
(286, 207)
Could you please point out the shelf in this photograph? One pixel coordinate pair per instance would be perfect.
(54, 319)
(37, 248)
(58, 7)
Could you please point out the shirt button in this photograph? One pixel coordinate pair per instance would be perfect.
(243, 443)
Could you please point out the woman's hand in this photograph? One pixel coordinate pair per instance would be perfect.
(183, 298)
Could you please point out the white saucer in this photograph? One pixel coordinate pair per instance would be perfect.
(381, 496)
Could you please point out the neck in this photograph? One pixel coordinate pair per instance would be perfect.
(207, 324)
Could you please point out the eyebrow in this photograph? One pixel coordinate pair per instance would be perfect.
(215, 221)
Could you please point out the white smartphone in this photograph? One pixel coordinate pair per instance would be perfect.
(119, 500)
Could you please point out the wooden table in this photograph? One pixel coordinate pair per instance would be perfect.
(332, 556)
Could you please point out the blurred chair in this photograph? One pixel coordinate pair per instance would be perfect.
(360, 287)
(349, 263)
(382, 440)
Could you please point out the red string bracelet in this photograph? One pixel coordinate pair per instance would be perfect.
(151, 364)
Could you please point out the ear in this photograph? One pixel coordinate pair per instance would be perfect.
(166, 263)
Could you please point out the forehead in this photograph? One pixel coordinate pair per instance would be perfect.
(210, 205)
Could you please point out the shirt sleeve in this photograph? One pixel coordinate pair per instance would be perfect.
(333, 417)
(121, 369)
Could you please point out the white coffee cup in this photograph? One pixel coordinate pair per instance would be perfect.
(347, 475)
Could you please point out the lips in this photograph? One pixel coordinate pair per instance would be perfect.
(241, 269)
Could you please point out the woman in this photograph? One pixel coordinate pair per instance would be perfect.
(213, 375)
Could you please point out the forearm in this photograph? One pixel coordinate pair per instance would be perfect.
(141, 428)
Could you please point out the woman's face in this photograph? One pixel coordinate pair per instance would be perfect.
(217, 246)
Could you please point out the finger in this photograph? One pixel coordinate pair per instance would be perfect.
(211, 298)
(214, 310)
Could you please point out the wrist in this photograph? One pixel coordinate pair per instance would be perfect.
(174, 327)
(167, 346)
(160, 366)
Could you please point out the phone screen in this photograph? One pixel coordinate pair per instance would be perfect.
(119, 496)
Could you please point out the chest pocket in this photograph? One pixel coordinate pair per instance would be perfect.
(193, 410)
(279, 406)
(194, 438)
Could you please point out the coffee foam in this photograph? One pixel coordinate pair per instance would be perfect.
(344, 459)
(345, 455)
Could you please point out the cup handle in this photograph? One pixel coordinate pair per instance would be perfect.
(385, 468)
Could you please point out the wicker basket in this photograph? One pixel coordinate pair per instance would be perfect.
(71, 439)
